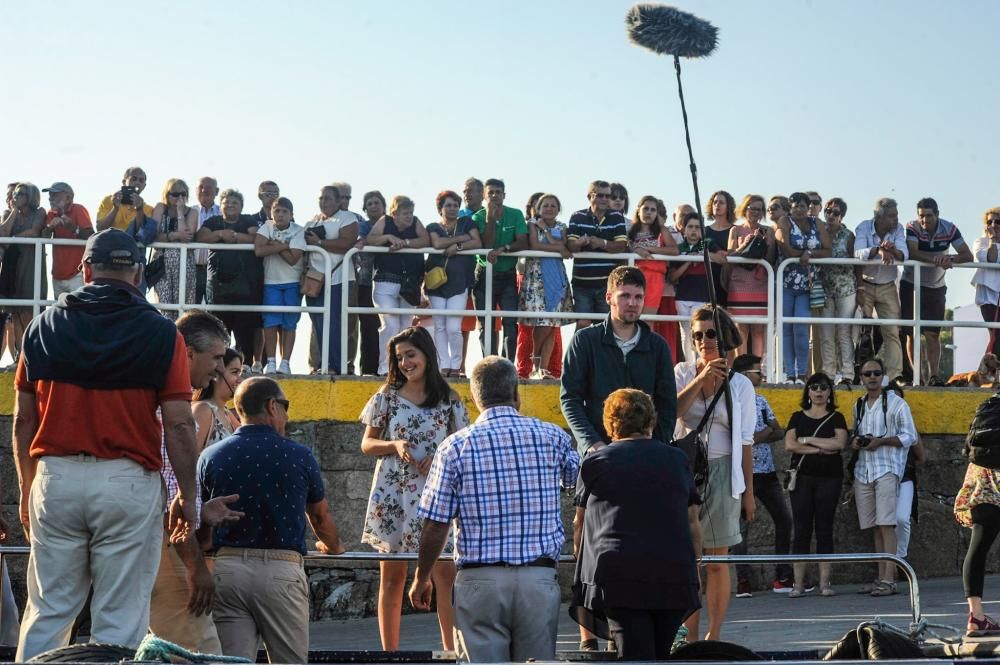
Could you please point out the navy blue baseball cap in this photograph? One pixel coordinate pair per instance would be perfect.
(112, 247)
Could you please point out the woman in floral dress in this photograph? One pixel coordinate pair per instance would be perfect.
(407, 418)
(176, 221)
(977, 506)
(545, 287)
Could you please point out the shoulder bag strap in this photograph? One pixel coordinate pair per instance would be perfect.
(711, 407)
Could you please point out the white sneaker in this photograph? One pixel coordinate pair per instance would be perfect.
(283, 368)
(269, 368)
(255, 368)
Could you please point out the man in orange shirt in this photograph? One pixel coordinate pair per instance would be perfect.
(94, 369)
(66, 220)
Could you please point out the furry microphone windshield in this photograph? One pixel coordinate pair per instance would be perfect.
(669, 31)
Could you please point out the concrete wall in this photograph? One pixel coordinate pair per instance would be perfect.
(349, 589)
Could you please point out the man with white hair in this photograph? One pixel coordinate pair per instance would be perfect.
(499, 479)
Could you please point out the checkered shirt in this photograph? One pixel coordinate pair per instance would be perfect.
(499, 478)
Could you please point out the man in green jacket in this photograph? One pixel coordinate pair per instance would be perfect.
(620, 352)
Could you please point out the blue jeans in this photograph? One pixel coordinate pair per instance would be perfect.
(795, 336)
(336, 315)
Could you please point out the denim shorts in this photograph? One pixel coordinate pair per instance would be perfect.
(590, 300)
(278, 295)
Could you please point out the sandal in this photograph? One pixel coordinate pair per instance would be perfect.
(827, 591)
(796, 593)
(588, 645)
(884, 588)
(866, 589)
(984, 627)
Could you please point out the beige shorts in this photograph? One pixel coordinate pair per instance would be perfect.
(877, 501)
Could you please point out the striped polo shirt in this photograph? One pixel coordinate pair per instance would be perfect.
(593, 273)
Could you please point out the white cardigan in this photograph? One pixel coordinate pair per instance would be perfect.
(989, 279)
(744, 418)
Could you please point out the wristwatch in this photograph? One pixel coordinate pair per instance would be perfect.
(506, 248)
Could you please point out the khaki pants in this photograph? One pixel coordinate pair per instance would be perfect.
(261, 596)
(169, 617)
(884, 299)
(506, 614)
(93, 522)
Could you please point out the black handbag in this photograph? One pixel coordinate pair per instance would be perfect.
(757, 249)
(154, 271)
(694, 447)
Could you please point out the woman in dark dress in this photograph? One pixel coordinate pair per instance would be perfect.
(636, 535)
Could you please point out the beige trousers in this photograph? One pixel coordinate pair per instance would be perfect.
(169, 617)
(260, 596)
(884, 300)
(94, 522)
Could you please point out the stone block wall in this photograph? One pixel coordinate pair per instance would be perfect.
(344, 589)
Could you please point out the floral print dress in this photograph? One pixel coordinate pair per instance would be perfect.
(981, 485)
(391, 521)
(797, 277)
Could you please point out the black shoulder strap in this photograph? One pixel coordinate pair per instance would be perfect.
(711, 407)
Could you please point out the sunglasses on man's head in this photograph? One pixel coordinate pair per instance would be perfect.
(699, 335)
(871, 373)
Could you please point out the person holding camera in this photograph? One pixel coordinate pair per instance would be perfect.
(883, 432)
(815, 437)
(120, 209)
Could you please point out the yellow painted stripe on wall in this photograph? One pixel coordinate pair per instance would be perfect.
(936, 411)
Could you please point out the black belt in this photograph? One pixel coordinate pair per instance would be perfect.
(540, 562)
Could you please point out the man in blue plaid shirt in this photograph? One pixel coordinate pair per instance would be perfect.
(499, 479)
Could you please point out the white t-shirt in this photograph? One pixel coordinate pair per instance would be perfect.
(276, 269)
(332, 226)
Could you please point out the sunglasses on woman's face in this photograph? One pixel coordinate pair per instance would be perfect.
(819, 387)
(871, 373)
(699, 335)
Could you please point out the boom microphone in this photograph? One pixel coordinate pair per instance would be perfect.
(667, 30)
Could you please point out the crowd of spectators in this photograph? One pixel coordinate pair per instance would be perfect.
(286, 270)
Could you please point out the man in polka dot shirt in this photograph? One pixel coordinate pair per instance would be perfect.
(261, 590)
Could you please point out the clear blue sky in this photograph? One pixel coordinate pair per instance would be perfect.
(856, 99)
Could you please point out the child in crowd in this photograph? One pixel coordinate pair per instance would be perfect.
(691, 279)
(281, 242)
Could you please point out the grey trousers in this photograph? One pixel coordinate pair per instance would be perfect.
(506, 614)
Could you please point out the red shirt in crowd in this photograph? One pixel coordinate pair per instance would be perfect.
(108, 424)
(66, 258)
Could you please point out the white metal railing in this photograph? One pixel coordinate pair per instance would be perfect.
(489, 313)
(38, 301)
(777, 366)
(774, 317)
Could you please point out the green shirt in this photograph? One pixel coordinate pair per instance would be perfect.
(511, 224)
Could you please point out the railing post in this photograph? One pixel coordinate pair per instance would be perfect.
(918, 364)
(182, 284)
(769, 330)
(36, 307)
(488, 319)
(345, 292)
(779, 307)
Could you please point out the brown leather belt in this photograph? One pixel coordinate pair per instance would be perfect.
(253, 553)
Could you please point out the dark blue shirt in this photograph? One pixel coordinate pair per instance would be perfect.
(275, 478)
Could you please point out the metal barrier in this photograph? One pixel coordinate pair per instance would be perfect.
(489, 313)
(874, 557)
(777, 366)
(37, 301)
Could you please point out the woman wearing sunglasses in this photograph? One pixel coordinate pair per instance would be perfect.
(815, 437)
(987, 281)
(841, 286)
(728, 439)
(176, 221)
